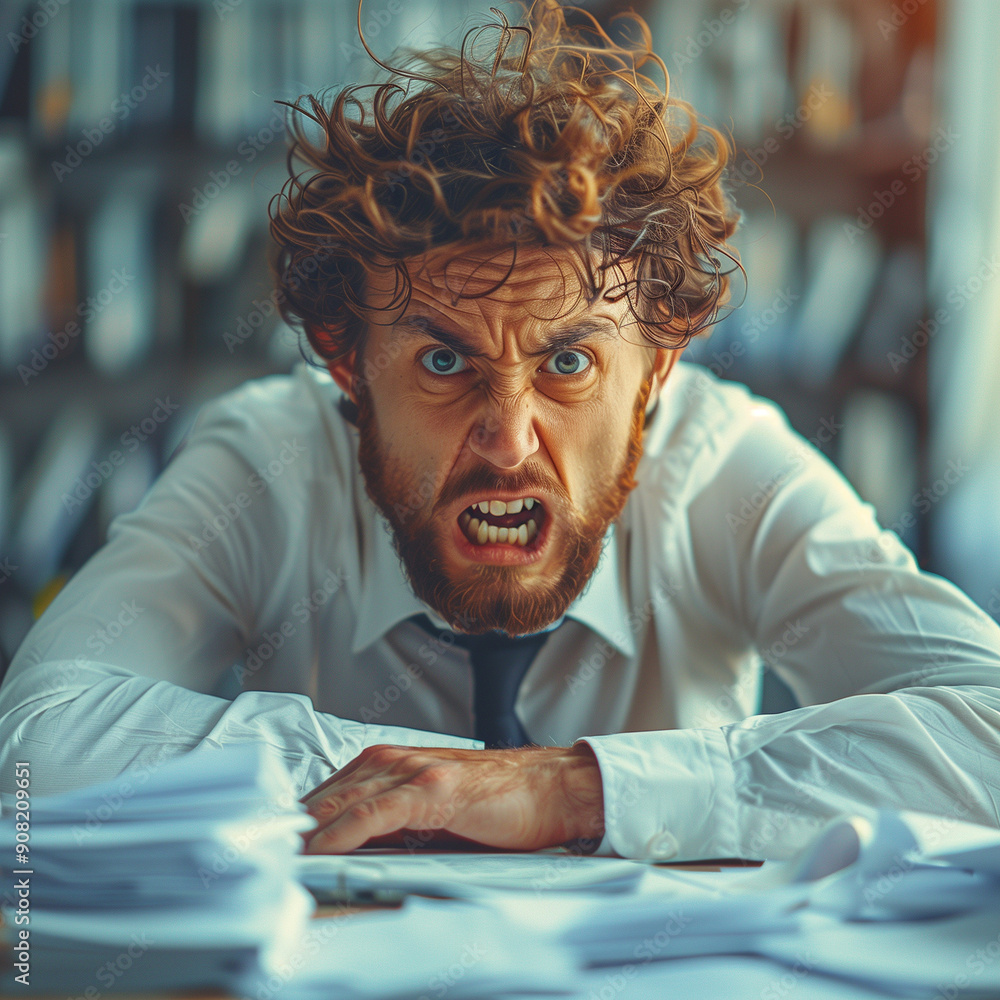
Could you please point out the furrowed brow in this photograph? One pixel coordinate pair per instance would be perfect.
(584, 330)
(422, 326)
(596, 329)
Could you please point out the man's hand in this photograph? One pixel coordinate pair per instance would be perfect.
(522, 799)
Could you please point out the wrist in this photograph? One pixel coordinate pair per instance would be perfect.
(583, 791)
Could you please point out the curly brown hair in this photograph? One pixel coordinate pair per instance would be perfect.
(551, 138)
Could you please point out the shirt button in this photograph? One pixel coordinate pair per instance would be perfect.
(663, 846)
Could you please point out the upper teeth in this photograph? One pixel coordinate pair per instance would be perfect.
(497, 507)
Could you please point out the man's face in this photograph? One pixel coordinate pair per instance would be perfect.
(524, 400)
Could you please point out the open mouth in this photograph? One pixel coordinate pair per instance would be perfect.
(511, 522)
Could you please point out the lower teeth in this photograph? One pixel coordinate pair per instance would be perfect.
(480, 532)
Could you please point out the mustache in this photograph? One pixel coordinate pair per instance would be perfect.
(524, 481)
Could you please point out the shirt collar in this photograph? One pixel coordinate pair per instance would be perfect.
(386, 597)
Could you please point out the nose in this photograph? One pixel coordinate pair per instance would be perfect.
(504, 434)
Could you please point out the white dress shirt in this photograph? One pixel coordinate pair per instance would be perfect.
(254, 596)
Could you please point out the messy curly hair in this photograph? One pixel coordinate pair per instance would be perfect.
(544, 134)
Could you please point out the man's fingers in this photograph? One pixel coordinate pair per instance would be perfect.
(339, 775)
(379, 757)
(380, 815)
(331, 805)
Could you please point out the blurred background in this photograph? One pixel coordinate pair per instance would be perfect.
(139, 146)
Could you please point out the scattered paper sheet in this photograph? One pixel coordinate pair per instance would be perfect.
(376, 874)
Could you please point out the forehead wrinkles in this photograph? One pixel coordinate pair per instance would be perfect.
(543, 289)
(501, 274)
(505, 330)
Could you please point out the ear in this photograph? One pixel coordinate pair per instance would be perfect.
(342, 371)
(664, 360)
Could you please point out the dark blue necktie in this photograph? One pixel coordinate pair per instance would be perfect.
(499, 663)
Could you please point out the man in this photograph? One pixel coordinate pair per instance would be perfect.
(500, 259)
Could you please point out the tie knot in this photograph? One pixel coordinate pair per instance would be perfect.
(494, 639)
(499, 641)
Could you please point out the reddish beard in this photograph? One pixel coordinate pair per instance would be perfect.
(488, 597)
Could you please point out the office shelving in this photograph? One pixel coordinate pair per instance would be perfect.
(142, 135)
(833, 116)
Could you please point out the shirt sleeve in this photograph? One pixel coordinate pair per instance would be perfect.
(118, 670)
(896, 669)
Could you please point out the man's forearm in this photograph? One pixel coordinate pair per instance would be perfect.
(762, 788)
(79, 722)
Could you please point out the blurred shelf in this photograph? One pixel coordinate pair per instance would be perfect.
(31, 407)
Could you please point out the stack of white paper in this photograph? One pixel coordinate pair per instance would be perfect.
(427, 948)
(178, 877)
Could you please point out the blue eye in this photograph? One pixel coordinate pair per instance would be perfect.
(568, 363)
(443, 361)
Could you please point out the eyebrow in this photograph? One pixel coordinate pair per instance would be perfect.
(419, 325)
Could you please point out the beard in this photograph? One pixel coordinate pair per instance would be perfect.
(485, 597)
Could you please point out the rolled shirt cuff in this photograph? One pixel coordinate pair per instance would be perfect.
(668, 796)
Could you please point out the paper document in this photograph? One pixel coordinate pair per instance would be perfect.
(381, 875)
(179, 875)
